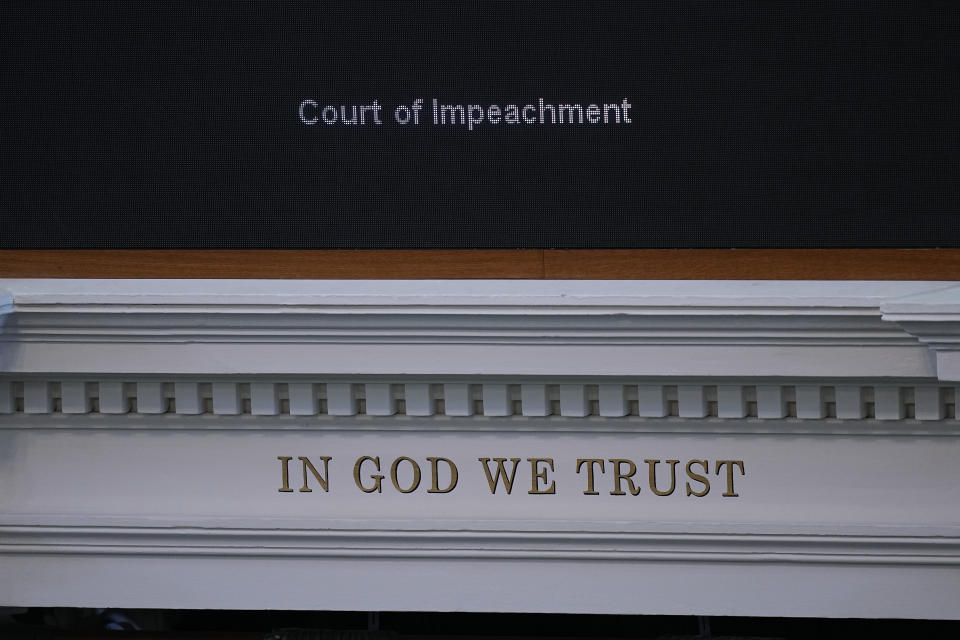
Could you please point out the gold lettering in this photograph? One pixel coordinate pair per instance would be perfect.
(619, 475)
(699, 478)
(730, 493)
(493, 480)
(416, 474)
(321, 479)
(377, 478)
(285, 473)
(434, 475)
(653, 476)
(590, 462)
(540, 476)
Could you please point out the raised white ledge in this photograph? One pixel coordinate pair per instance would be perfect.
(934, 318)
(6, 303)
(528, 293)
(6, 308)
(808, 549)
(479, 328)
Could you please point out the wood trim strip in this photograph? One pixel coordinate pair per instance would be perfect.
(755, 264)
(270, 264)
(645, 264)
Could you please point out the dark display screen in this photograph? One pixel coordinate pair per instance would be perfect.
(479, 125)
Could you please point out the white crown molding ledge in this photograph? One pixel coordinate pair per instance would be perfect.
(482, 328)
(6, 303)
(933, 317)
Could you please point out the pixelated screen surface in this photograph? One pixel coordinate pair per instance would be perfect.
(479, 125)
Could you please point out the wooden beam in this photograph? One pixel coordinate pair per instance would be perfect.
(755, 264)
(645, 264)
(213, 263)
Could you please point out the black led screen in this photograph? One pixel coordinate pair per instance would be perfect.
(479, 125)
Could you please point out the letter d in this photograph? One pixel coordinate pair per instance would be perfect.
(434, 474)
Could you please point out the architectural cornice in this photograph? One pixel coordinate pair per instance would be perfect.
(933, 317)
(528, 545)
(6, 303)
(806, 430)
(533, 405)
(479, 328)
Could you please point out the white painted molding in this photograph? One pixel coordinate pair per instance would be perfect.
(476, 328)
(6, 302)
(934, 318)
(528, 545)
(6, 308)
(144, 424)
(617, 400)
